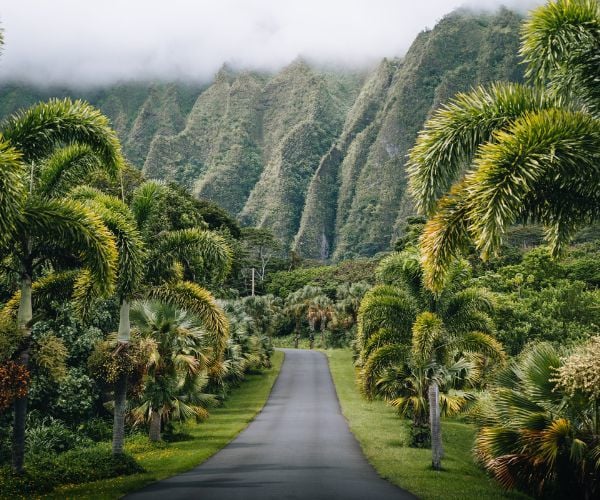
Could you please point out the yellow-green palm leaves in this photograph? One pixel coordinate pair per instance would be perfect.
(537, 436)
(515, 153)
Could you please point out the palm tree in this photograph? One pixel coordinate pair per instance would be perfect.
(348, 297)
(539, 423)
(520, 152)
(297, 304)
(43, 152)
(176, 357)
(406, 388)
(159, 271)
(320, 313)
(402, 323)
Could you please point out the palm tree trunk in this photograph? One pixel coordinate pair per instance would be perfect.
(154, 433)
(118, 438)
(123, 336)
(24, 317)
(437, 450)
(297, 335)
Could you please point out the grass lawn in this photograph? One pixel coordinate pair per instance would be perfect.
(164, 460)
(384, 437)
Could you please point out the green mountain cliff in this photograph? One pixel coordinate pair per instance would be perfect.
(314, 154)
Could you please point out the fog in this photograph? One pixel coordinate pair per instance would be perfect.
(92, 42)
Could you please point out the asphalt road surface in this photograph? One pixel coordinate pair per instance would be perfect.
(298, 447)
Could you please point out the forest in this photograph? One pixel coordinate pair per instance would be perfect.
(143, 312)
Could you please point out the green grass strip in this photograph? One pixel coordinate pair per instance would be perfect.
(167, 459)
(384, 436)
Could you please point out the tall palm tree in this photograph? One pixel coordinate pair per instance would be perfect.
(43, 151)
(159, 271)
(402, 323)
(526, 153)
(176, 358)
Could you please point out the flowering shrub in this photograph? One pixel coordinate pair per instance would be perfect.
(13, 383)
(580, 372)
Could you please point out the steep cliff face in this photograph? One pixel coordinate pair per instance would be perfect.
(316, 155)
(371, 202)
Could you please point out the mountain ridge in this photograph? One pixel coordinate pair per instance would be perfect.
(316, 155)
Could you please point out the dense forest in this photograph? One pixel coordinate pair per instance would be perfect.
(433, 222)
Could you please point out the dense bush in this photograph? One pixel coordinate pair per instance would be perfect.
(50, 435)
(43, 472)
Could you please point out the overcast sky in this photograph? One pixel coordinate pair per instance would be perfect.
(101, 41)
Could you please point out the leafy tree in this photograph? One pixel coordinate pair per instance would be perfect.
(403, 323)
(43, 152)
(539, 423)
(531, 153)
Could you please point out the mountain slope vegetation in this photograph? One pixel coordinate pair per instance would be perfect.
(316, 155)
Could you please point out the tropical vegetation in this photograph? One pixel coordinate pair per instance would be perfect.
(463, 340)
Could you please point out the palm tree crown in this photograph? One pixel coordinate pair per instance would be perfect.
(520, 153)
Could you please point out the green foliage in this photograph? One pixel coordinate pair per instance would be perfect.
(534, 435)
(46, 471)
(531, 151)
(326, 277)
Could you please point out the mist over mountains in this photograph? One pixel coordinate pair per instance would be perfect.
(315, 154)
(69, 42)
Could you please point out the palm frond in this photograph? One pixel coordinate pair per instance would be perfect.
(12, 187)
(199, 302)
(120, 222)
(55, 286)
(450, 138)
(538, 147)
(144, 201)
(427, 330)
(560, 42)
(37, 130)
(65, 168)
(72, 226)
(187, 244)
(377, 362)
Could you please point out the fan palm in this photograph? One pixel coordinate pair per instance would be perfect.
(402, 323)
(43, 152)
(320, 313)
(405, 387)
(538, 433)
(521, 153)
(297, 305)
(176, 357)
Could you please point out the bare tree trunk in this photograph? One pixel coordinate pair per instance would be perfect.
(154, 433)
(24, 317)
(437, 450)
(124, 336)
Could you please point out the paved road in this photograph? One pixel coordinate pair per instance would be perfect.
(298, 447)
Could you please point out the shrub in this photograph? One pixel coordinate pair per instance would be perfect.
(96, 429)
(52, 436)
(43, 472)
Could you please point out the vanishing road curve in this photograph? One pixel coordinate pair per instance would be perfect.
(298, 447)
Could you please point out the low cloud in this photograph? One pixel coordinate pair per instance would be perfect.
(96, 42)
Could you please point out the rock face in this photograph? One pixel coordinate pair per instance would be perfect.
(318, 156)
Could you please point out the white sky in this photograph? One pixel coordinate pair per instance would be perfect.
(101, 41)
